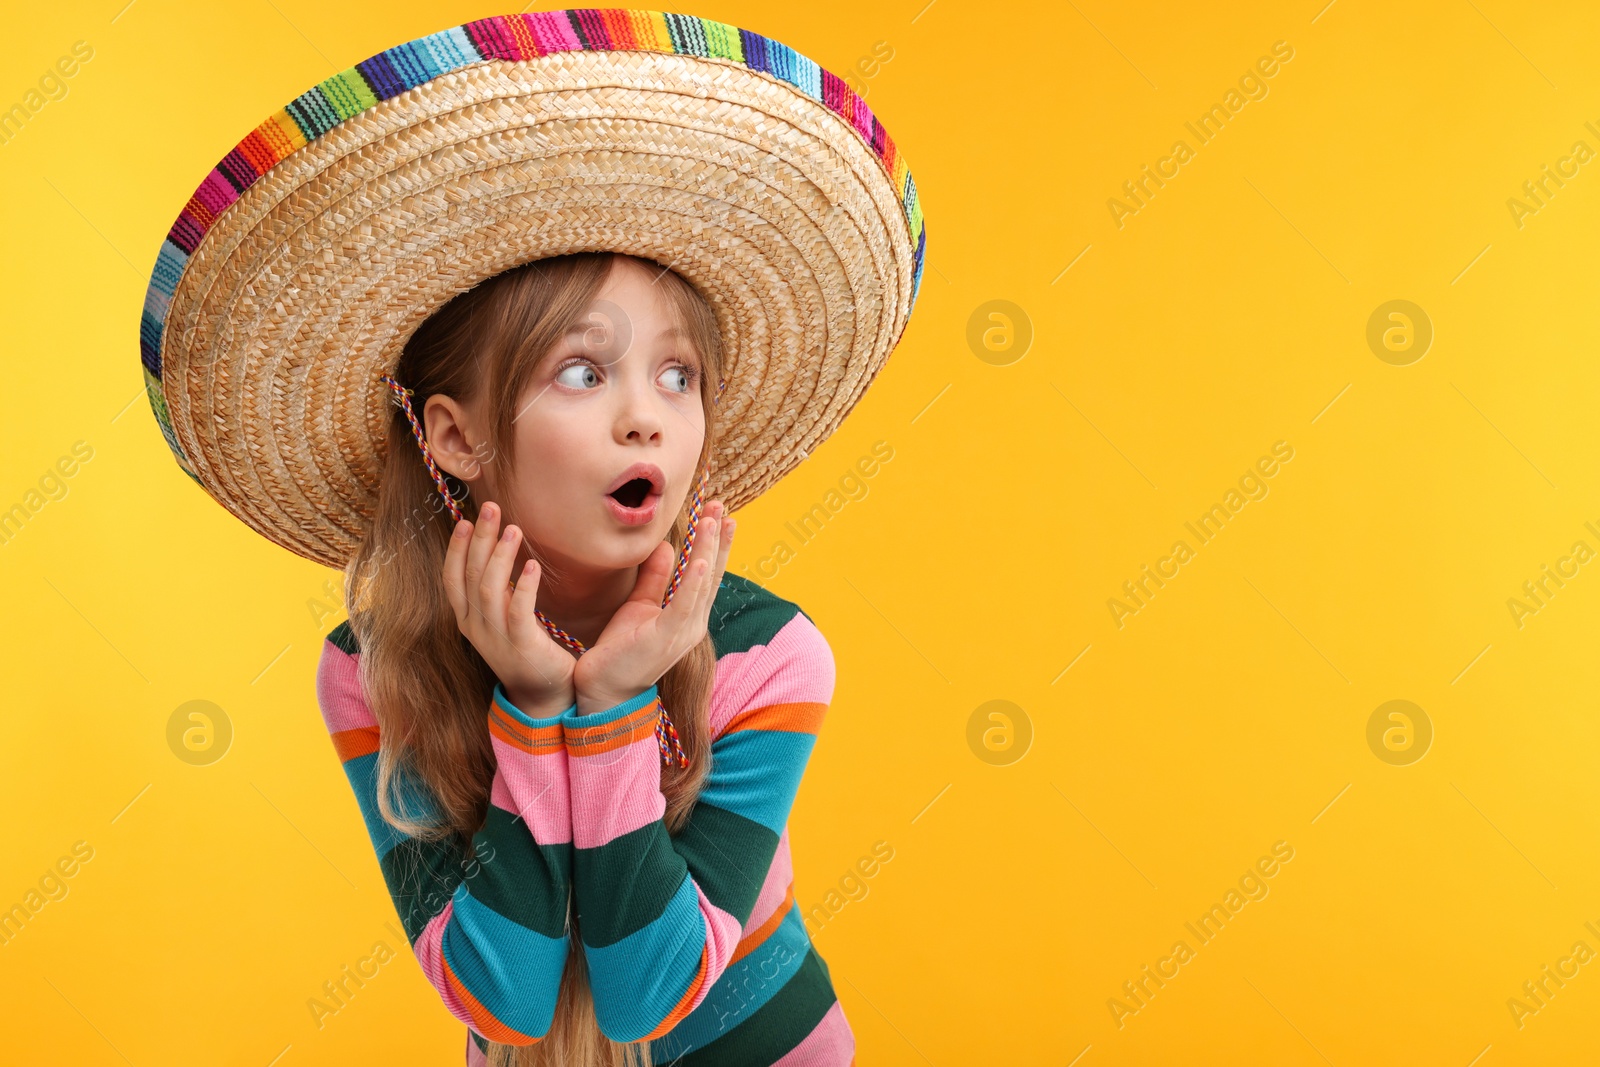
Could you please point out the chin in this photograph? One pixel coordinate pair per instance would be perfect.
(622, 547)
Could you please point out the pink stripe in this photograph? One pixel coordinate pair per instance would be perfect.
(553, 31)
(616, 792)
(796, 666)
(722, 938)
(339, 690)
(863, 119)
(429, 950)
(536, 788)
(216, 192)
(831, 1044)
(776, 887)
(475, 1055)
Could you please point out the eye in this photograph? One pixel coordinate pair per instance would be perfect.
(680, 379)
(584, 378)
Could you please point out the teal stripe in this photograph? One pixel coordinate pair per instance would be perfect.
(759, 1009)
(413, 801)
(638, 980)
(451, 49)
(756, 774)
(511, 970)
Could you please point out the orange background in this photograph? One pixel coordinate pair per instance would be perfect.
(1044, 849)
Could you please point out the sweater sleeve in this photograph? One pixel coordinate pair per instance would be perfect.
(661, 916)
(488, 925)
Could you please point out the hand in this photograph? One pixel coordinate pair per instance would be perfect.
(643, 639)
(535, 672)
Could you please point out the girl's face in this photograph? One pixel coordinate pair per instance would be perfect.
(609, 430)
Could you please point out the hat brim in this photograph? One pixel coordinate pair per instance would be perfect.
(312, 252)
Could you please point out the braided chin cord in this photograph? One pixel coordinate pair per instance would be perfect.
(666, 734)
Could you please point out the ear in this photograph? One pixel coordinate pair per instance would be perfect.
(455, 438)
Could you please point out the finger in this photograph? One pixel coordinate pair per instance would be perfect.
(720, 568)
(482, 544)
(484, 538)
(455, 560)
(494, 588)
(726, 550)
(686, 605)
(654, 573)
(715, 553)
(521, 621)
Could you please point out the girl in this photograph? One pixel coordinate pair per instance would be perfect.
(569, 887)
(502, 322)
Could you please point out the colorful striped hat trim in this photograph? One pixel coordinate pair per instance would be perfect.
(510, 37)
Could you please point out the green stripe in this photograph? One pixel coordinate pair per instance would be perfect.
(777, 1026)
(625, 884)
(344, 638)
(527, 885)
(712, 841)
(723, 40)
(348, 93)
(421, 876)
(726, 854)
(745, 615)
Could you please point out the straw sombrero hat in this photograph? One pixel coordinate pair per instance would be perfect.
(291, 281)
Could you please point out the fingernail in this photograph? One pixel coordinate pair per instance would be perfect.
(462, 528)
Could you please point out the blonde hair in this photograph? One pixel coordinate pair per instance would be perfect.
(425, 683)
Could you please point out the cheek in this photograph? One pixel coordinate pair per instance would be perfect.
(550, 476)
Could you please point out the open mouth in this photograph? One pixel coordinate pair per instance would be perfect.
(631, 494)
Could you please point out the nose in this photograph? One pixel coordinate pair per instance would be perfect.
(638, 415)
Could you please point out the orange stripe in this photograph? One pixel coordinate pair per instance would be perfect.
(520, 32)
(593, 740)
(753, 940)
(282, 132)
(256, 149)
(801, 718)
(487, 1024)
(202, 214)
(524, 738)
(353, 743)
(676, 1014)
(619, 27)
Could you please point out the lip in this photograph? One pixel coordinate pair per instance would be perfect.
(658, 481)
(646, 511)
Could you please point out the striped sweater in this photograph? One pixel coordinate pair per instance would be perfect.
(694, 941)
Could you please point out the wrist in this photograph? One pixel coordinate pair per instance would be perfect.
(594, 702)
(533, 705)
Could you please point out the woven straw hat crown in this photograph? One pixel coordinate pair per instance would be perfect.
(307, 257)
